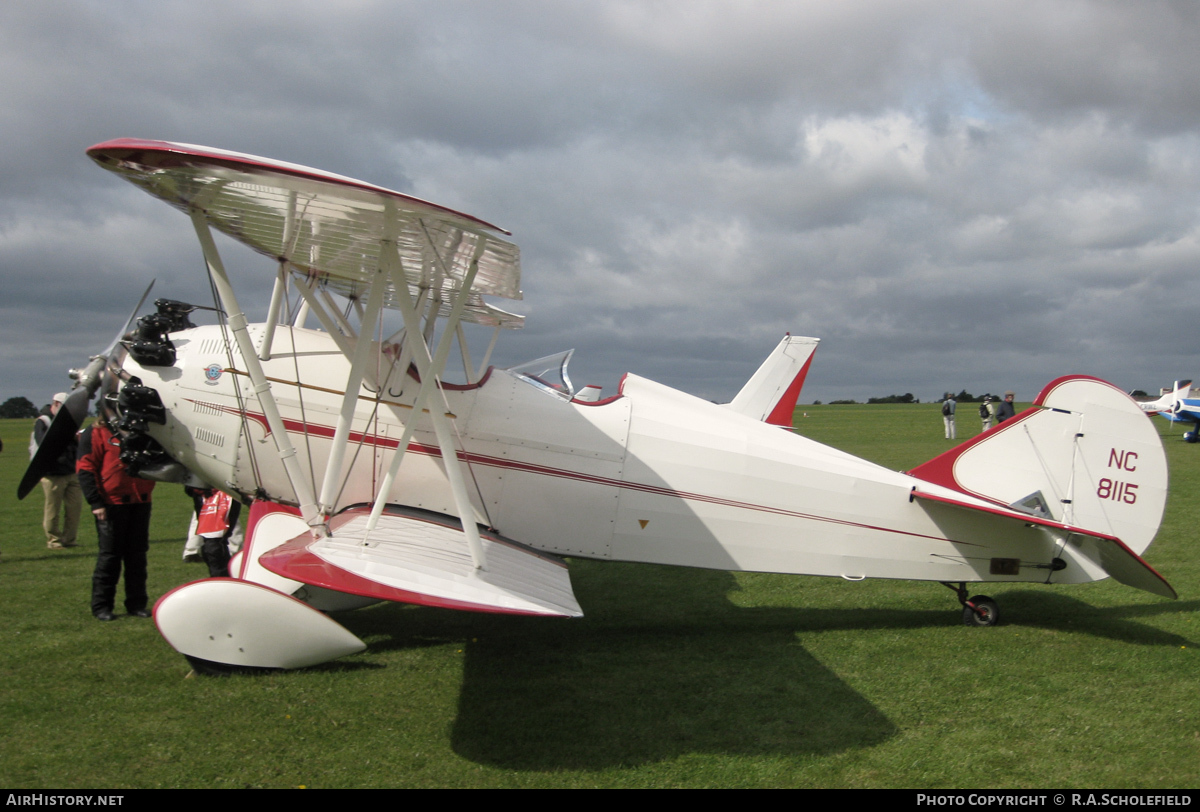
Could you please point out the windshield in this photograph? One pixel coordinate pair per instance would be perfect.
(549, 374)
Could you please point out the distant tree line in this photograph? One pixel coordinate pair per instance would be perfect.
(962, 397)
(966, 397)
(18, 407)
(907, 397)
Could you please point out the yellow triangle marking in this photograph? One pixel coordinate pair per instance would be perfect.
(643, 523)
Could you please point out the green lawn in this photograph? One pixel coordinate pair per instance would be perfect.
(674, 678)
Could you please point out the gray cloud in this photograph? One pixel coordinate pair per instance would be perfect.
(982, 195)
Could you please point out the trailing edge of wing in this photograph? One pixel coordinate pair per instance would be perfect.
(328, 227)
(422, 558)
(1109, 552)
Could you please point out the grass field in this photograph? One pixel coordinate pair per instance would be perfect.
(675, 678)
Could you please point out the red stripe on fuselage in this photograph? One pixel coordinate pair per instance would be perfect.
(300, 427)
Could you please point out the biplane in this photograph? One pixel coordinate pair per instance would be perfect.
(371, 477)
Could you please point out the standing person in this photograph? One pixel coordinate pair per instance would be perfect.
(1006, 409)
(986, 410)
(194, 544)
(121, 505)
(218, 517)
(948, 406)
(64, 499)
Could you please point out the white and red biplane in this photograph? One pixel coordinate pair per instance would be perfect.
(371, 478)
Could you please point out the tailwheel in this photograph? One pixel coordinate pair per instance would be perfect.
(980, 611)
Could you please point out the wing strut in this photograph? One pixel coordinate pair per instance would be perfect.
(487, 356)
(466, 354)
(311, 305)
(362, 354)
(262, 387)
(278, 293)
(430, 370)
(342, 322)
(302, 310)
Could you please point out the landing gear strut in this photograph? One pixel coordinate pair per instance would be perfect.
(977, 611)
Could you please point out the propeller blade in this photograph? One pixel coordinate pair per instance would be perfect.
(58, 437)
(71, 414)
(121, 333)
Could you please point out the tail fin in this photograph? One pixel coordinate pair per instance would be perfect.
(1084, 456)
(1084, 447)
(1168, 404)
(772, 392)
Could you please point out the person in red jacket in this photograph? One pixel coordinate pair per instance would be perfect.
(216, 521)
(121, 505)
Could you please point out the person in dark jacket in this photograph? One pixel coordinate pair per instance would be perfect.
(121, 505)
(1006, 409)
(64, 500)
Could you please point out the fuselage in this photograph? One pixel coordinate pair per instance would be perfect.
(1187, 411)
(647, 475)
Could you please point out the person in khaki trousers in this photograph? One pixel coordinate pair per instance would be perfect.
(64, 498)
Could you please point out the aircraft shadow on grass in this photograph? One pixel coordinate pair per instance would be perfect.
(1058, 612)
(661, 666)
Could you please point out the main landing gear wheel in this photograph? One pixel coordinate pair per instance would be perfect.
(980, 611)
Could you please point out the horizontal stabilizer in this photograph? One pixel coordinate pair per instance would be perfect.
(1007, 513)
(422, 558)
(1127, 567)
(1105, 551)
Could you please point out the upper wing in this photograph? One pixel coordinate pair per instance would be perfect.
(417, 557)
(327, 226)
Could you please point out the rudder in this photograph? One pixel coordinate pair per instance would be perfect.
(1085, 455)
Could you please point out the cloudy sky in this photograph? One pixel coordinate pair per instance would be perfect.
(951, 195)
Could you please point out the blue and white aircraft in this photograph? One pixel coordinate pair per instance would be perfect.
(1178, 408)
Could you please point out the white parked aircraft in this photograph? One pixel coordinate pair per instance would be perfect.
(371, 478)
